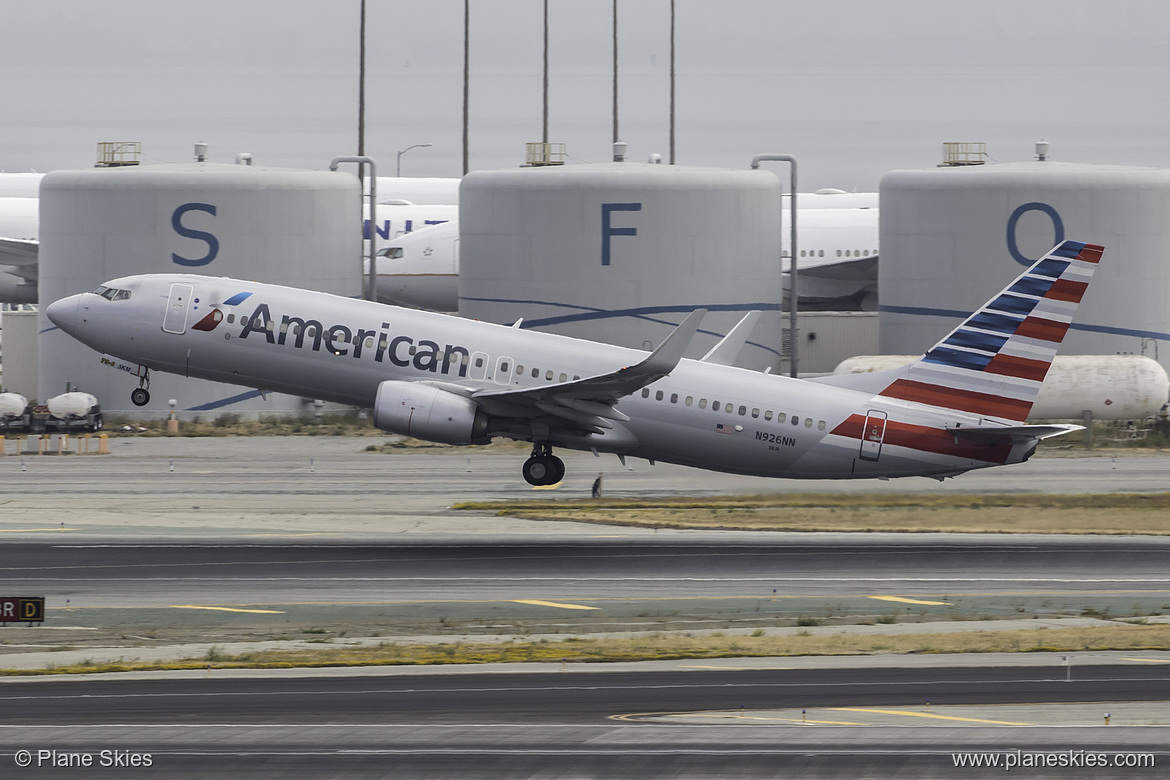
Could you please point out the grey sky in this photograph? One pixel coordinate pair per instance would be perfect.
(852, 88)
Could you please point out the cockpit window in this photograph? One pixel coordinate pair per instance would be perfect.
(111, 294)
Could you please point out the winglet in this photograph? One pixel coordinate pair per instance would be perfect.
(726, 351)
(663, 360)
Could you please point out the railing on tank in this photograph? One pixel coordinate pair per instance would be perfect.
(964, 153)
(116, 154)
(539, 154)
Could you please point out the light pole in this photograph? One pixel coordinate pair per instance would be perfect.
(398, 168)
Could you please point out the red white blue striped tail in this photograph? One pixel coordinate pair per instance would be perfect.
(994, 363)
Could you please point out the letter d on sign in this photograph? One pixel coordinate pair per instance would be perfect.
(199, 235)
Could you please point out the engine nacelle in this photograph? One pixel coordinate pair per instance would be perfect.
(426, 412)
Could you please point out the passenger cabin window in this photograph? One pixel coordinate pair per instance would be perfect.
(768, 414)
(714, 406)
(702, 403)
(658, 396)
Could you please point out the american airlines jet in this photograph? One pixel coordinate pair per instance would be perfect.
(959, 407)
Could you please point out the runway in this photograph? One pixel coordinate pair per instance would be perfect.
(575, 586)
(581, 723)
(220, 540)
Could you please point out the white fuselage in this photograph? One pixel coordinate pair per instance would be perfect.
(337, 349)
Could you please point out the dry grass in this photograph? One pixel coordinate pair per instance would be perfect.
(671, 647)
(1116, 513)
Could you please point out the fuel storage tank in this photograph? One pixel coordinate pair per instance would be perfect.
(621, 252)
(953, 237)
(298, 228)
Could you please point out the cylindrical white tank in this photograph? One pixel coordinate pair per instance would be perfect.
(951, 238)
(12, 405)
(1112, 387)
(71, 404)
(300, 228)
(621, 252)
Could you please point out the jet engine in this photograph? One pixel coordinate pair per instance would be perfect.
(428, 412)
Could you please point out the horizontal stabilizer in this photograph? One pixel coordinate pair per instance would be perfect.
(1016, 434)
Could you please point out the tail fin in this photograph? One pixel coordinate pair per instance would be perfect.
(993, 364)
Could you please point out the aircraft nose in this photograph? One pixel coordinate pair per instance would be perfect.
(63, 313)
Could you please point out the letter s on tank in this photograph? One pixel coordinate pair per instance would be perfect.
(199, 235)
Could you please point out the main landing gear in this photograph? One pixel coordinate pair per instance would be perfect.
(543, 468)
(140, 396)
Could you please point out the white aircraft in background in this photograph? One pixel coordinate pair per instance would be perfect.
(19, 244)
(961, 406)
(837, 264)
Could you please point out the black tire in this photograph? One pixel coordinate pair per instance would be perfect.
(140, 397)
(556, 470)
(535, 471)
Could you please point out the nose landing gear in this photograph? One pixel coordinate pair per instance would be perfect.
(543, 468)
(140, 396)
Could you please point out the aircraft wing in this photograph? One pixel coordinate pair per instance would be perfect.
(21, 253)
(589, 401)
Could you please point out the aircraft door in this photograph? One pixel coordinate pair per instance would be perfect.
(872, 435)
(479, 363)
(179, 302)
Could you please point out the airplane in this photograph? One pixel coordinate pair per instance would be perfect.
(959, 407)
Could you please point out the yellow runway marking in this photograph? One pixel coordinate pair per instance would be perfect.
(734, 716)
(743, 668)
(911, 601)
(929, 715)
(1148, 660)
(228, 609)
(538, 603)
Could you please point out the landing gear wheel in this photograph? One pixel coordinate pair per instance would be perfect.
(556, 469)
(543, 468)
(140, 396)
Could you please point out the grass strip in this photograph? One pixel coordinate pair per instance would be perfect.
(1094, 513)
(661, 647)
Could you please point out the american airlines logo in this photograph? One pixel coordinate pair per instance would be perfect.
(342, 340)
